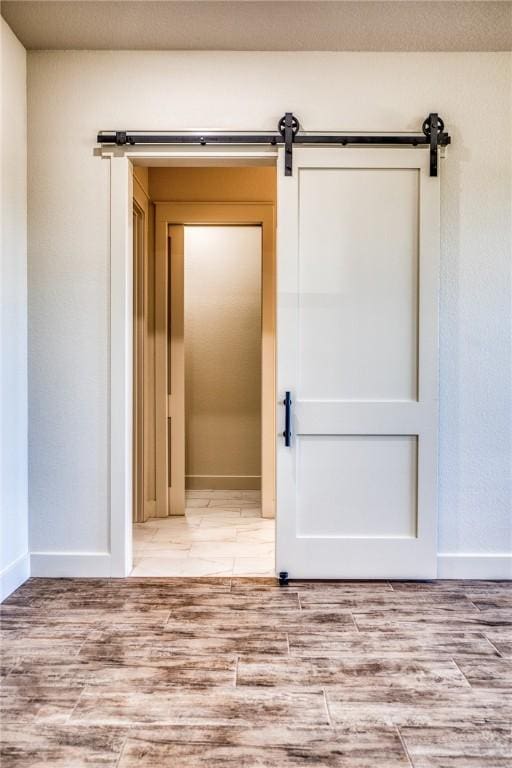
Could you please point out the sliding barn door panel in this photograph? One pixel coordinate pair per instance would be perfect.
(358, 260)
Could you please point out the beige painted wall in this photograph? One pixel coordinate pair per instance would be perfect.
(141, 179)
(213, 185)
(223, 356)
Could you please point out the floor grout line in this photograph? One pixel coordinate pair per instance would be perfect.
(70, 715)
(492, 645)
(237, 658)
(404, 747)
(461, 672)
(329, 719)
(355, 622)
(86, 638)
(118, 761)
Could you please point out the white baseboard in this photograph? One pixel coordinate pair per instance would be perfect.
(98, 564)
(223, 482)
(70, 564)
(14, 575)
(474, 566)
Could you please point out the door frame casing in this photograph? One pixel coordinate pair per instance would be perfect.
(139, 368)
(172, 386)
(238, 214)
(121, 366)
(143, 350)
(120, 381)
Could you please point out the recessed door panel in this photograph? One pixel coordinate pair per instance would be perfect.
(356, 485)
(358, 275)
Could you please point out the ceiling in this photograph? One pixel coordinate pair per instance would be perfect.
(258, 25)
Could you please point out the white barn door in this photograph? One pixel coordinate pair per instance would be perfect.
(357, 345)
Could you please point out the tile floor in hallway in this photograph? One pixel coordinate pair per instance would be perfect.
(222, 534)
(234, 672)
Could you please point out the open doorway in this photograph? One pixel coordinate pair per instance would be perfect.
(204, 371)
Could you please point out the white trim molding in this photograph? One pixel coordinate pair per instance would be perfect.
(155, 155)
(71, 564)
(453, 565)
(14, 575)
(100, 565)
(223, 482)
(121, 362)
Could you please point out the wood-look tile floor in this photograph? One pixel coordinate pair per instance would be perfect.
(226, 672)
(221, 534)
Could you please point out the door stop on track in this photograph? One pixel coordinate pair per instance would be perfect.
(283, 578)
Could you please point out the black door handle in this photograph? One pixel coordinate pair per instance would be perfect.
(287, 434)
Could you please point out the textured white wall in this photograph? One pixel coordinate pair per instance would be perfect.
(13, 319)
(73, 94)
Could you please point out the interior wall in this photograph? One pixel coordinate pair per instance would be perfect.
(213, 185)
(74, 94)
(223, 357)
(14, 560)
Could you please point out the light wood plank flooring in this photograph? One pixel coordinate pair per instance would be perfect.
(226, 672)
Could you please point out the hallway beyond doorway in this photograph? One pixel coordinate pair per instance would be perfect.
(221, 534)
